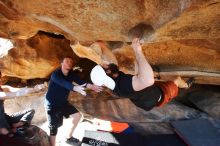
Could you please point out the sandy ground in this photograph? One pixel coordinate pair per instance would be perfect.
(78, 133)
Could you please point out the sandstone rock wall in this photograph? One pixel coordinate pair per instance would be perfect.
(177, 35)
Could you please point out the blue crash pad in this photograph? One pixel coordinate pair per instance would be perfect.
(197, 132)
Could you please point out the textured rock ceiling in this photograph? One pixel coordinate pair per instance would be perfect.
(180, 36)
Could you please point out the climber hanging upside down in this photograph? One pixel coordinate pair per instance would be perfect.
(141, 88)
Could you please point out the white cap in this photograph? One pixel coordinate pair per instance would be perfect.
(100, 78)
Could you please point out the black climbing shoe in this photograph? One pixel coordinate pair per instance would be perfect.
(73, 141)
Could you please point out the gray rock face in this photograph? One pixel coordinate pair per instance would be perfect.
(32, 136)
(207, 101)
(108, 107)
(36, 136)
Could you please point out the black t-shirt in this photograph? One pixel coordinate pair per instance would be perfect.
(123, 85)
(145, 99)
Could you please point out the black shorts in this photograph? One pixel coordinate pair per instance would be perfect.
(147, 98)
(55, 115)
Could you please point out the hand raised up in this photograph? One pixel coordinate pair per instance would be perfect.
(136, 45)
